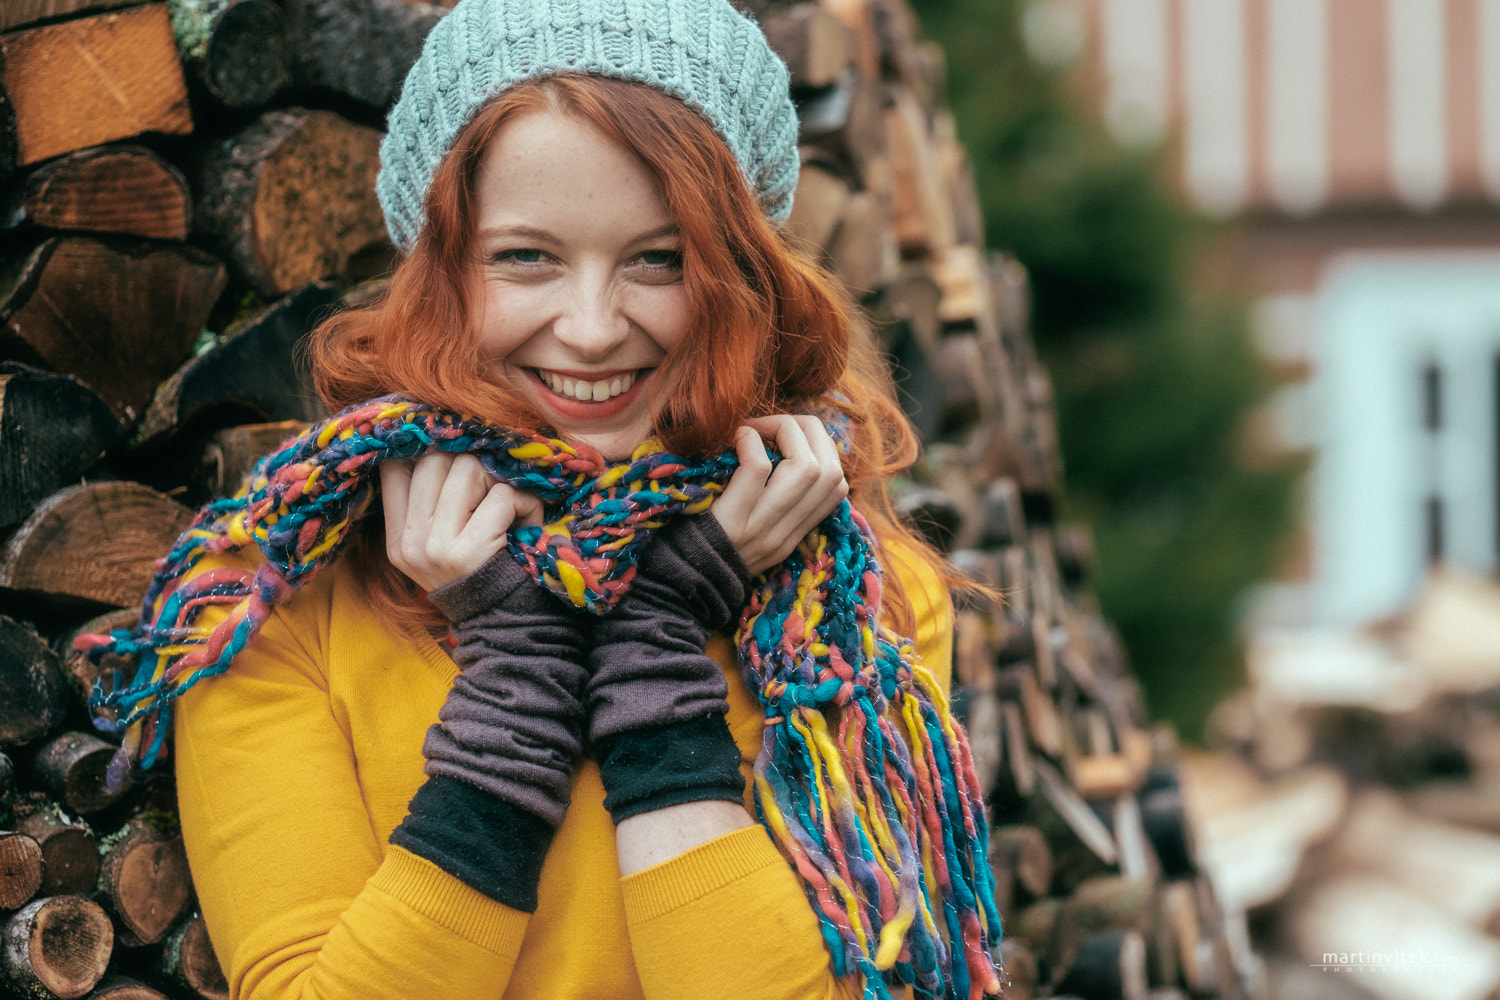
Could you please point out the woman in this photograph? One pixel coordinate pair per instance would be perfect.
(546, 802)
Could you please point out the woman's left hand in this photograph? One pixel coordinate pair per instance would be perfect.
(765, 513)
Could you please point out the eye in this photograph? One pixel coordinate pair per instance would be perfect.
(520, 255)
(661, 263)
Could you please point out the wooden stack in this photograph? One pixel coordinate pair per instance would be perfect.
(188, 191)
(1353, 801)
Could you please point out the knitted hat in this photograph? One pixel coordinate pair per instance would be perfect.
(703, 51)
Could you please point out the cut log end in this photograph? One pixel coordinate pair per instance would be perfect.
(60, 944)
(20, 870)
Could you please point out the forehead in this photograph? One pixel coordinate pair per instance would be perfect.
(550, 165)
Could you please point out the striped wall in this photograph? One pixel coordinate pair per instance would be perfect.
(1299, 105)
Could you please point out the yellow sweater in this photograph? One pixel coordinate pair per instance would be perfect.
(294, 767)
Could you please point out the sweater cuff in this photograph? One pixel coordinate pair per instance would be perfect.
(488, 587)
(483, 841)
(648, 769)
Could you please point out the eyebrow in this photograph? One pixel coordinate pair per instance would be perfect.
(544, 236)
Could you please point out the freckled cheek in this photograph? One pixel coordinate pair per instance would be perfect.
(504, 323)
(664, 313)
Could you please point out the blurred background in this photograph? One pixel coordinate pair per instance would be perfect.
(1262, 237)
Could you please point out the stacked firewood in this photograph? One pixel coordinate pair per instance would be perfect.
(1352, 803)
(188, 190)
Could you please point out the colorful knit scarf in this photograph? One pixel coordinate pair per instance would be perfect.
(864, 779)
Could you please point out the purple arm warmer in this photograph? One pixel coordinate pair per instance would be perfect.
(500, 760)
(656, 700)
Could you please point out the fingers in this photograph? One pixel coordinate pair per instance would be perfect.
(766, 512)
(445, 516)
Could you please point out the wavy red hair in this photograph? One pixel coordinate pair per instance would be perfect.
(773, 332)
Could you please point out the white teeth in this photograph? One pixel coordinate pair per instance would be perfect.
(596, 392)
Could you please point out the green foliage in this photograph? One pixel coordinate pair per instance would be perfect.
(1154, 373)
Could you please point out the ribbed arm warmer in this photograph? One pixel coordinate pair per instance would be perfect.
(500, 760)
(656, 700)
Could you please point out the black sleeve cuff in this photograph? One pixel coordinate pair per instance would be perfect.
(484, 842)
(648, 769)
(501, 580)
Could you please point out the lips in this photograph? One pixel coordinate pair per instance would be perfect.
(575, 396)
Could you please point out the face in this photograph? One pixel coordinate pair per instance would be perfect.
(580, 292)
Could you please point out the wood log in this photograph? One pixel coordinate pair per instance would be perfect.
(83, 673)
(120, 317)
(1003, 522)
(291, 199)
(113, 987)
(387, 34)
(1454, 868)
(922, 215)
(1033, 928)
(1018, 971)
(96, 543)
(1043, 724)
(818, 205)
(1081, 844)
(1017, 778)
(1137, 859)
(862, 248)
(70, 768)
(847, 123)
(233, 452)
(107, 189)
(70, 859)
(19, 13)
(7, 775)
(53, 428)
(1166, 823)
(1023, 853)
(1108, 966)
(93, 80)
(1179, 912)
(20, 869)
(256, 373)
(56, 947)
(144, 876)
(858, 17)
(236, 51)
(816, 46)
(188, 964)
(33, 691)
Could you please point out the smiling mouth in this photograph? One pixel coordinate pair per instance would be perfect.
(583, 390)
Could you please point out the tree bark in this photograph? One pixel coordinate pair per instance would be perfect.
(33, 691)
(70, 768)
(236, 51)
(387, 34)
(53, 428)
(70, 858)
(188, 964)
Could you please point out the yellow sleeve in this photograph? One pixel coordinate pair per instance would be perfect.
(730, 918)
(300, 898)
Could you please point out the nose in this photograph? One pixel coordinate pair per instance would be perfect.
(591, 322)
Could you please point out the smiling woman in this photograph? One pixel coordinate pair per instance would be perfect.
(478, 790)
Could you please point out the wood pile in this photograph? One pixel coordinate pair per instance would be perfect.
(1352, 804)
(188, 191)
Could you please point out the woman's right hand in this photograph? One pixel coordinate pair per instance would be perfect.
(446, 516)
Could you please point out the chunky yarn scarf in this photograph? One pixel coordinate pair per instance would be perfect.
(864, 780)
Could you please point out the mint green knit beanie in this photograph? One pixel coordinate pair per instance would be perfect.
(703, 51)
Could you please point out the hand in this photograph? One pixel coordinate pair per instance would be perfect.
(445, 517)
(766, 513)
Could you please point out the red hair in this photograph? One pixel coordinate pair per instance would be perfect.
(773, 332)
